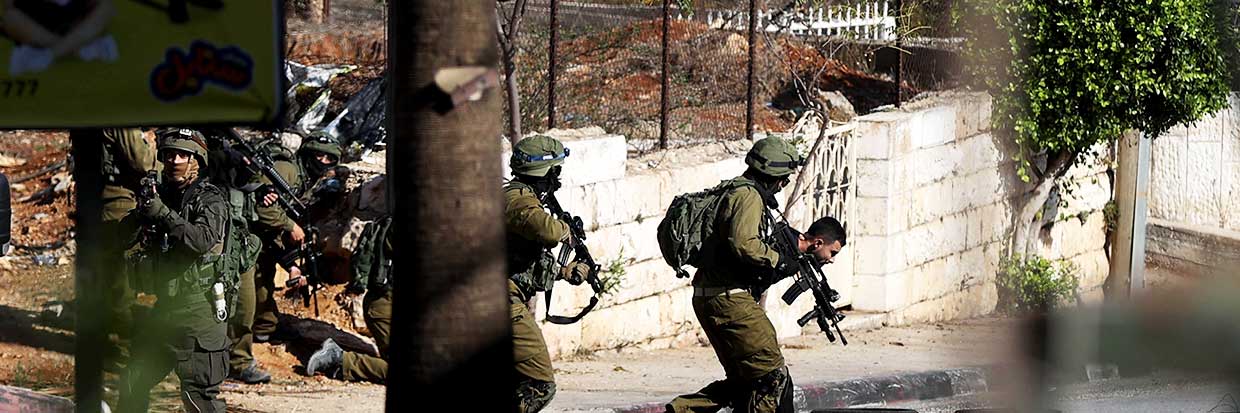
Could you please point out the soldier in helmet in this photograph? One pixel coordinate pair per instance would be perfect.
(311, 172)
(531, 233)
(184, 222)
(734, 259)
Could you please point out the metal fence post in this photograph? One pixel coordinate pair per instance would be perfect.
(551, 53)
(899, 50)
(753, 39)
(663, 104)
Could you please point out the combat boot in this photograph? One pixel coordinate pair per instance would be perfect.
(251, 374)
(327, 360)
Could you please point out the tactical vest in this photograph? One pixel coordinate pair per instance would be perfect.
(531, 266)
(242, 246)
(173, 274)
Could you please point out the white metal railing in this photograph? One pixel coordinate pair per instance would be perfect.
(871, 21)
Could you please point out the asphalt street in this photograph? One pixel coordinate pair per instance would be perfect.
(1156, 393)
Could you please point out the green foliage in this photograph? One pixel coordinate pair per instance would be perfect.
(1110, 214)
(1035, 283)
(1071, 73)
(1227, 19)
(613, 273)
(21, 377)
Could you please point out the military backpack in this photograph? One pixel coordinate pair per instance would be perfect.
(689, 222)
(370, 265)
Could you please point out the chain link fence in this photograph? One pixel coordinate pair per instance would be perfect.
(607, 63)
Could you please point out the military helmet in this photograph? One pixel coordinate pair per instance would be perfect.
(187, 140)
(774, 157)
(535, 155)
(321, 142)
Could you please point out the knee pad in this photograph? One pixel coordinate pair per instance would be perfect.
(775, 387)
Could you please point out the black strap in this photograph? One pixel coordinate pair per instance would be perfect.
(793, 164)
(558, 319)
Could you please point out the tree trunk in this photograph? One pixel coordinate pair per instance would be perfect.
(514, 100)
(508, 49)
(452, 338)
(1028, 224)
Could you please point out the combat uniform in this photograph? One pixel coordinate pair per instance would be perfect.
(232, 175)
(273, 222)
(372, 273)
(127, 157)
(301, 173)
(531, 234)
(184, 331)
(735, 260)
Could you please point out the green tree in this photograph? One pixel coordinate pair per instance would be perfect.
(1069, 74)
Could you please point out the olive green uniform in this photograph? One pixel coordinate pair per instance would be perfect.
(182, 334)
(377, 308)
(127, 157)
(531, 233)
(734, 260)
(378, 315)
(273, 222)
(245, 247)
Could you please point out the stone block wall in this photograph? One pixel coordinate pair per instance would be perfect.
(937, 195)
(1194, 188)
(1195, 172)
(931, 216)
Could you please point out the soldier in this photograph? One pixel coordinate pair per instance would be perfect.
(371, 267)
(531, 233)
(127, 157)
(315, 159)
(232, 173)
(184, 222)
(735, 259)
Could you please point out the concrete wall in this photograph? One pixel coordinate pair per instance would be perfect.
(937, 194)
(1194, 189)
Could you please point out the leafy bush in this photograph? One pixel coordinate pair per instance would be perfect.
(1072, 73)
(1035, 283)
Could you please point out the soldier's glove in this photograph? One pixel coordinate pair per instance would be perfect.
(154, 208)
(575, 272)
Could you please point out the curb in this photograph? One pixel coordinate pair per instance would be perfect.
(871, 390)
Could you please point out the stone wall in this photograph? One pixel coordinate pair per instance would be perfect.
(929, 219)
(937, 194)
(1194, 189)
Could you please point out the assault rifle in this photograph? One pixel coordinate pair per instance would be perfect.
(261, 162)
(809, 277)
(580, 253)
(145, 195)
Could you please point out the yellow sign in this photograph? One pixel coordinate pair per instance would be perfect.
(96, 63)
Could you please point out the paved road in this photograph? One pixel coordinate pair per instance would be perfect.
(1158, 393)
